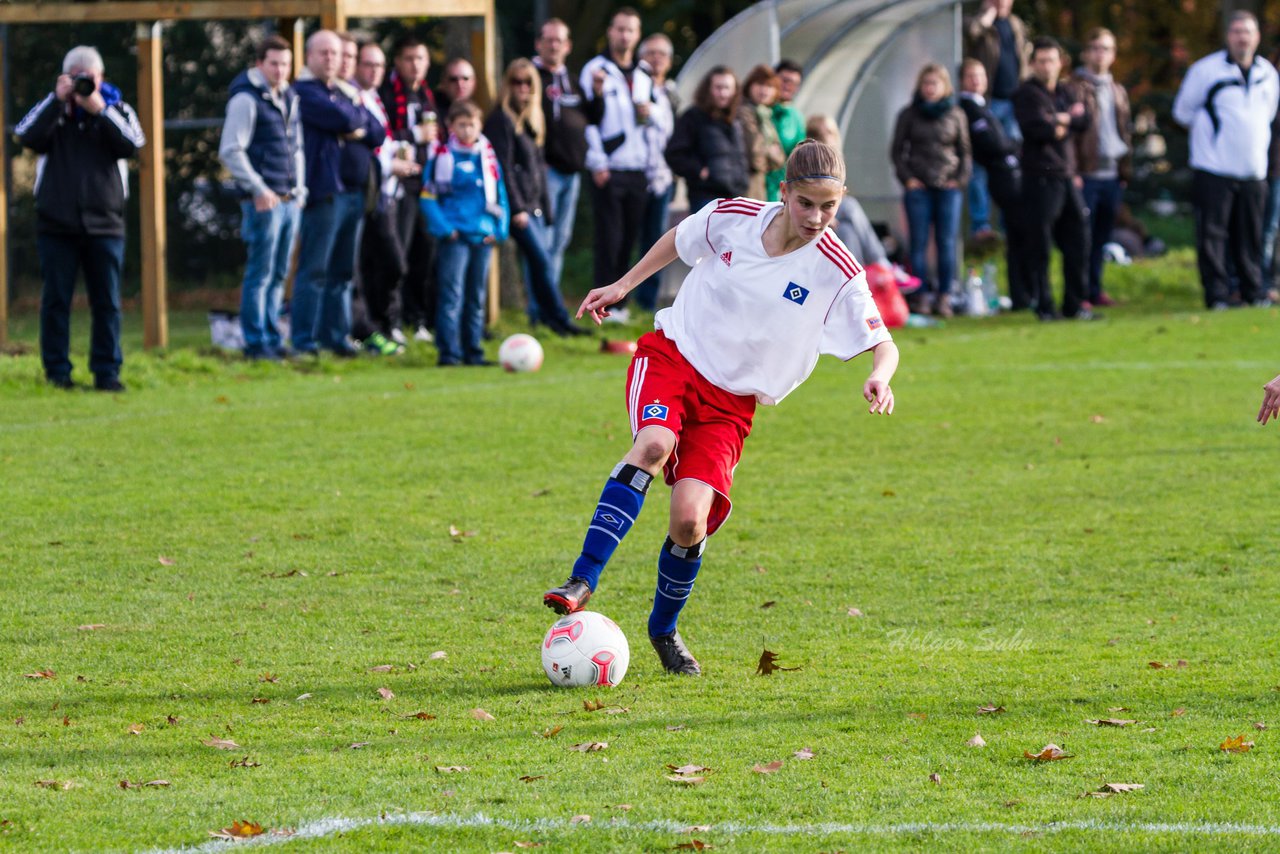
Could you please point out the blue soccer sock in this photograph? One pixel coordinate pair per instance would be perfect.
(620, 504)
(677, 568)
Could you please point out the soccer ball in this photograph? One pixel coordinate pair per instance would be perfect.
(520, 353)
(585, 648)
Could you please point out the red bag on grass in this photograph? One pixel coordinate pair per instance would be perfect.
(889, 299)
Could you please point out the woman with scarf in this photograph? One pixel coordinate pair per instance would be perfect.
(464, 201)
(517, 129)
(931, 157)
(760, 93)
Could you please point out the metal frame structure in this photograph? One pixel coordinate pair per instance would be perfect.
(149, 15)
(860, 59)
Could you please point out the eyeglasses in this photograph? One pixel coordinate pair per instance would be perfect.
(523, 81)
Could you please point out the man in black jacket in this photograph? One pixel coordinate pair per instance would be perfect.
(567, 114)
(1048, 113)
(83, 132)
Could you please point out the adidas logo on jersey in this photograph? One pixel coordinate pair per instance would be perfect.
(726, 258)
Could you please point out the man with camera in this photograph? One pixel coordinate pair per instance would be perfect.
(83, 132)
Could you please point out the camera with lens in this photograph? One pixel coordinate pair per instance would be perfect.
(84, 85)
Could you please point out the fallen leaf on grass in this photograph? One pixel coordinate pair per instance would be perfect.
(1178, 712)
(1048, 753)
(695, 828)
(597, 706)
(1109, 789)
(386, 694)
(685, 770)
(919, 716)
(422, 716)
(976, 741)
(550, 731)
(768, 664)
(590, 746)
(136, 729)
(1259, 725)
(688, 781)
(855, 612)
(246, 762)
(769, 604)
(88, 627)
(803, 753)
(452, 769)
(238, 830)
(990, 710)
(221, 743)
(935, 777)
(41, 674)
(677, 727)
(530, 778)
(157, 784)
(1236, 745)
(166, 561)
(580, 819)
(692, 845)
(382, 668)
(1117, 709)
(481, 715)
(771, 768)
(528, 844)
(54, 784)
(621, 807)
(458, 534)
(260, 701)
(1097, 419)
(438, 655)
(1109, 721)
(268, 677)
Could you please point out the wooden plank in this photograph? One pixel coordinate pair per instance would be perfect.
(4, 208)
(153, 10)
(484, 61)
(155, 310)
(292, 30)
(177, 10)
(333, 15)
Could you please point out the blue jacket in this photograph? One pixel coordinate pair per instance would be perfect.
(357, 155)
(262, 137)
(462, 207)
(327, 114)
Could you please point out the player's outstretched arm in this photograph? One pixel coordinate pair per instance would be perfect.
(597, 302)
(1270, 401)
(876, 389)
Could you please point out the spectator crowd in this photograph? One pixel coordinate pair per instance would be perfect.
(387, 197)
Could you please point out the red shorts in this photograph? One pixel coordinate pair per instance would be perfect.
(709, 423)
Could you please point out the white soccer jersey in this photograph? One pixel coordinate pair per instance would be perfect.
(752, 324)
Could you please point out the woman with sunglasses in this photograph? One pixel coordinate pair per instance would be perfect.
(517, 130)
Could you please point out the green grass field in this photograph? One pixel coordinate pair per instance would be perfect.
(1051, 509)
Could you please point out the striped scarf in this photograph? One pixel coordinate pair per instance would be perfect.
(442, 173)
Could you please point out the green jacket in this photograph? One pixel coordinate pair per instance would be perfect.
(790, 125)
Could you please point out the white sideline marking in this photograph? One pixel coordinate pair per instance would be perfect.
(330, 826)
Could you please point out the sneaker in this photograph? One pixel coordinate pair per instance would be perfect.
(618, 315)
(108, 384)
(382, 345)
(1219, 305)
(674, 655)
(63, 383)
(568, 597)
(1085, 314)
(424, 335)
(345, 351)
(397, 335)
(1105, 300)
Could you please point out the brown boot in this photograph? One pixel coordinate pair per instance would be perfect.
(943, 306)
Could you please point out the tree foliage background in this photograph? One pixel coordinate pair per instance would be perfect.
(1157, 39)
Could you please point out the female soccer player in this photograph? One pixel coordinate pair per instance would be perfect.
(771, 288)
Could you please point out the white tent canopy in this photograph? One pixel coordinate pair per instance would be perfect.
(860, 60)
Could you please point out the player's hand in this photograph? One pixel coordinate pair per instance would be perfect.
(1270, 401)
(880, 396)
(597, 302)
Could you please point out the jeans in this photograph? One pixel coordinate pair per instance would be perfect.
(940, 208)
(563, 190)
(462, 272)
(979, 201)
(1002, 108)
(545, 302)
(268, 235)
(102, 258)
(1270, 231)
(326, 265)
(1102, 197)
(652, 227)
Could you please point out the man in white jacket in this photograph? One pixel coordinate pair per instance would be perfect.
(617, 152)
(1227, 101)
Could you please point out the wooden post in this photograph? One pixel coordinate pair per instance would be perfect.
(484, 61)
(155, 311)
(333, 15)
(292, 30)
(4, 201)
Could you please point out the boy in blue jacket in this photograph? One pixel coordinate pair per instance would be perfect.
(465, 205)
